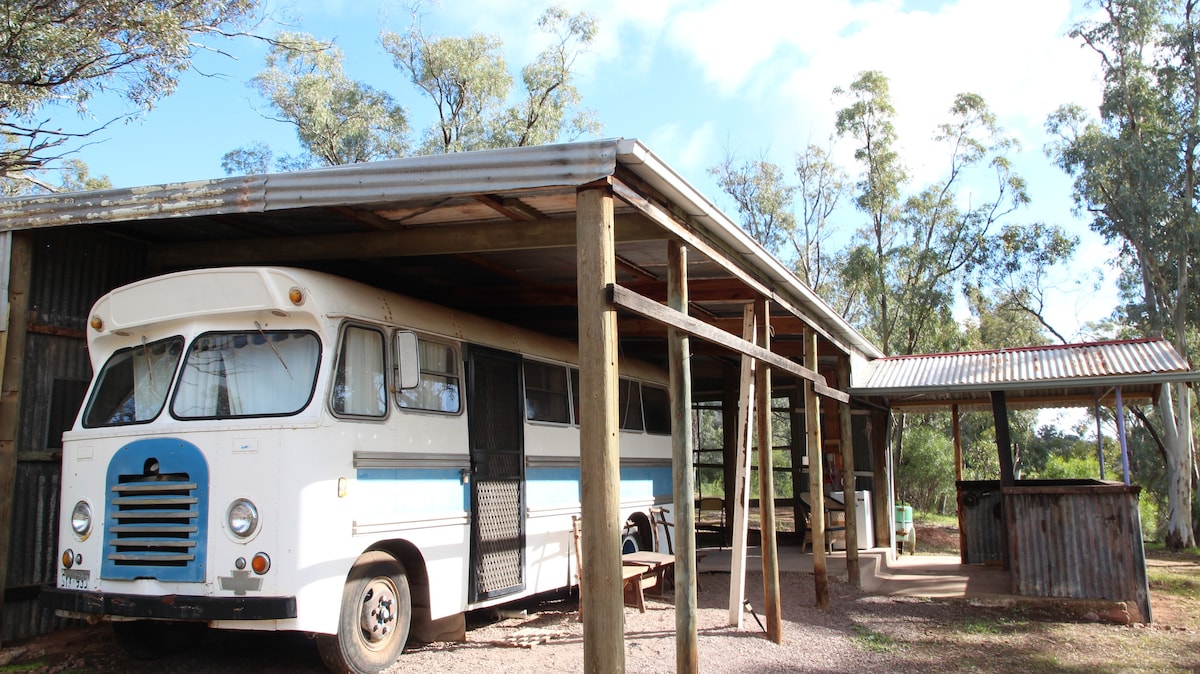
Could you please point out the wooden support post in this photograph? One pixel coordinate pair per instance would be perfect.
(956, 431)
(1007, 472)
(687, 642)
(766, 481)
(1121, 435)
(740, 489)
(19, 279)
(602, 602)
(1099, 436)
(853, 574)
(816, 490)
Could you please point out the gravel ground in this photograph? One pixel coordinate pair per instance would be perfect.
(859, 633)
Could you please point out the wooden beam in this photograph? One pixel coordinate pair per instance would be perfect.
(602, 602)
(473, 237)
(740, 488)
(766, 484)
(687, 642)
(816, 487)
(20, 273)
(631, 301)
(846, 444)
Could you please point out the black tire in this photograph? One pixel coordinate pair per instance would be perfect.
(630, 541)
(154, 639)
(375, 618)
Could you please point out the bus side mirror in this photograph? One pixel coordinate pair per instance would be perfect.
(407, 360)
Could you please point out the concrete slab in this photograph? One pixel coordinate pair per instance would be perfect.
(905, 575)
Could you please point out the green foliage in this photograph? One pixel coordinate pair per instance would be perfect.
(925, 474)
(337, 120)
(67, 53)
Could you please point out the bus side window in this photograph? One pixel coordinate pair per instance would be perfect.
(359, 381)
(438, 388)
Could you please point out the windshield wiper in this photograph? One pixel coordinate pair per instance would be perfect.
(276, 351)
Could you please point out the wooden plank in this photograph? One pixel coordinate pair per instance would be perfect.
(766, 483)
(472, 237)
(740, 488)
(816, 490)
(602, 602)
(687, 642)
(853, 573)
(19, 280)
(631, 301)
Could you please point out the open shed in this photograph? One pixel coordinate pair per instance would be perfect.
(1057, 538)
(596, 242)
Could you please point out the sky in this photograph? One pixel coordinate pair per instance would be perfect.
(695, 81)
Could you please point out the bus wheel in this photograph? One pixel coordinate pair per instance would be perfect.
(154, 639)
(375, 617)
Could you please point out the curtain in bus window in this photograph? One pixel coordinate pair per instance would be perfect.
(247, 374)
(630, 404)
(438, 390)
(153, 368)
(359, 383)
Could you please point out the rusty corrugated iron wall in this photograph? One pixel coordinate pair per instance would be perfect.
(1078, 541)
(72, 267)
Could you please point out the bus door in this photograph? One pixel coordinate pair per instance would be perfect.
(496, 423)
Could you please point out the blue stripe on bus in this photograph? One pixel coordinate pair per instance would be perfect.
(553, 487)
(425, 490)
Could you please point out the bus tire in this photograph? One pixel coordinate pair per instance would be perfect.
(375, 618)
(154, 639)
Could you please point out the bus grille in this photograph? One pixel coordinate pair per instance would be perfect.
(156, 512)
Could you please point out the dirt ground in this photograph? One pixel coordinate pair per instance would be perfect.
(858, 632)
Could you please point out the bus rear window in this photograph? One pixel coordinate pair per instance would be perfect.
(245, 374)
(132, 386)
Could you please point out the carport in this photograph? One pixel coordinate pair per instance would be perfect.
(597, 242)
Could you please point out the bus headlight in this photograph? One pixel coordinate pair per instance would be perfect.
(242, 518)
(81, 520)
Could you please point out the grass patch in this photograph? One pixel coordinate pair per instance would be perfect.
(1180, 585)
(935, 520)
(869, 640)
(23, 666)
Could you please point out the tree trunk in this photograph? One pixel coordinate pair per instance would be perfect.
(1177, 435)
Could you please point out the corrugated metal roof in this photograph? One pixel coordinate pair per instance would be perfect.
(373, 182)
(1026, 365)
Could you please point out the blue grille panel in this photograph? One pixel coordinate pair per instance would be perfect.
(156, 512)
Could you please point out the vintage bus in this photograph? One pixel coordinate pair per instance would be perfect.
(281, 449)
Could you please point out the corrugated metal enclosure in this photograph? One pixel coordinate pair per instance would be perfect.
(980, 506)
(71, 270)
(1079, 541)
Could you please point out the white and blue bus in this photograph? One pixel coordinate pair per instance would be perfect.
(280, 449)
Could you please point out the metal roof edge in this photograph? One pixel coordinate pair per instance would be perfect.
(635, 155)
(1041, 384)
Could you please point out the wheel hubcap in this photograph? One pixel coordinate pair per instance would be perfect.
(378, 616)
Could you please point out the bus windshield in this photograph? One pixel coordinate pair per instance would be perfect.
(252, 373)
(132, 386)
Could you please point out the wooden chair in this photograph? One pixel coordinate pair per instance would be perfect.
(711, 504)
(631, 574)
(829, 508)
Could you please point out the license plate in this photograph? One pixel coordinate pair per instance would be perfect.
(75, 579)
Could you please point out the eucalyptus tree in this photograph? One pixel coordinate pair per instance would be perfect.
(338, 120)
(65, 54)
(763, 198)
(909, 258)
(468, 82)
(1134, 173)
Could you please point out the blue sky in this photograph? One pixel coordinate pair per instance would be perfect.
(693, 80)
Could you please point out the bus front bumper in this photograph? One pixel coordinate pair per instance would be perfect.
(168, 607)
